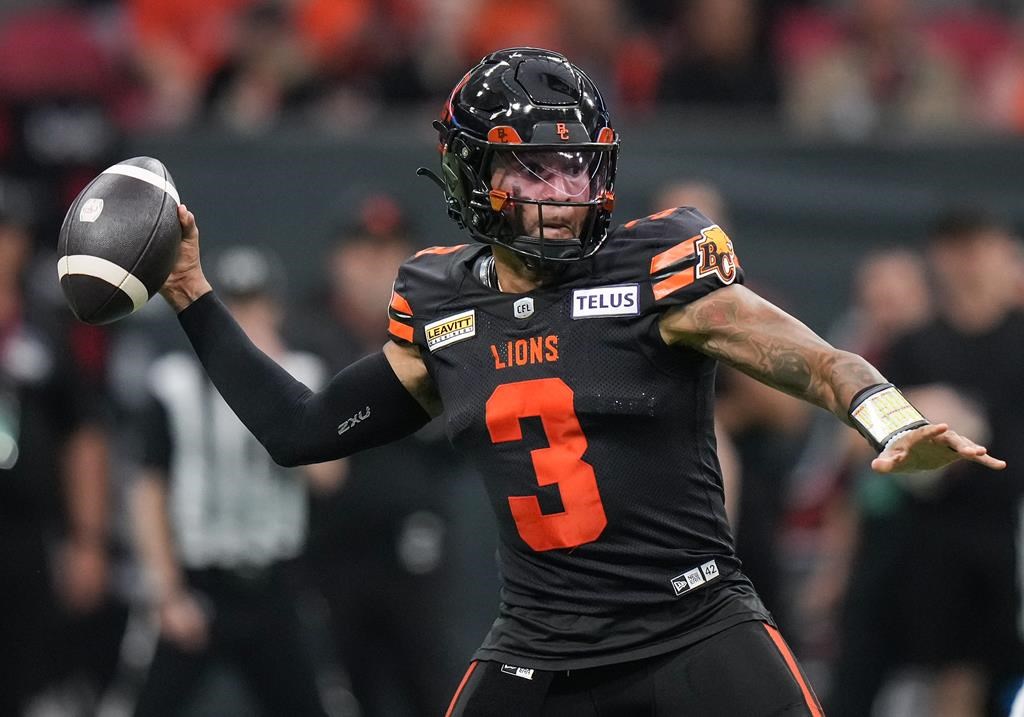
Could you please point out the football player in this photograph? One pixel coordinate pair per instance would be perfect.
(575, 365)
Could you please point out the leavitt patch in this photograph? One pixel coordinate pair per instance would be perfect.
(449, 330)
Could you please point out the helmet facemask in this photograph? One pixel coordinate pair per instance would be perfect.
(547, 203)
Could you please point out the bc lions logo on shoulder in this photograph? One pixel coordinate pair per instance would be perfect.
(715, 254)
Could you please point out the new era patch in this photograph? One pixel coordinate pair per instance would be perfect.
(693, 579)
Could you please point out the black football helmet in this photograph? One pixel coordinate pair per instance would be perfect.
(525, 139)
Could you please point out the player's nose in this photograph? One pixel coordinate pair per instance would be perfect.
(558, 189)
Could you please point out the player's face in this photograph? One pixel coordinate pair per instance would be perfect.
(551, 177)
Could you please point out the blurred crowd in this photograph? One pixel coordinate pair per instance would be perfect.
(846, 67)
(145, 571)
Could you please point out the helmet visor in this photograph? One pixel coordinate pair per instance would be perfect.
(576, 176)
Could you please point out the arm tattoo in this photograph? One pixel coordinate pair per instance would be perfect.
(763, 341)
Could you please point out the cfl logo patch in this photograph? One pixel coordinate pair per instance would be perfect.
(693, 579)
(523, 308)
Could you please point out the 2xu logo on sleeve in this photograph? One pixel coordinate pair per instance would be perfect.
(359, 417)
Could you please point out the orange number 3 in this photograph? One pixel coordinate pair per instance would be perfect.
(561, 463)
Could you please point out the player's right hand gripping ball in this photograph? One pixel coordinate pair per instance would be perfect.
(119, 240)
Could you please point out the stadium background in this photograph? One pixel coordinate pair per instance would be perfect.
(802, 212)
(279, 120)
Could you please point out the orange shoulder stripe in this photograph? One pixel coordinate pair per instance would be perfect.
(669, 257)
(402, 331)
(399, 304)
(673, 283)
(440, 249)
(651, 217)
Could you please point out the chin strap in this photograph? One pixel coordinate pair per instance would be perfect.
(451, 204)
(431, 175)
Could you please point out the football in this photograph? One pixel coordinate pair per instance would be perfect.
(119, 240)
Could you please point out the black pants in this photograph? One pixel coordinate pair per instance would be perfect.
(744, 671)
(254, 627)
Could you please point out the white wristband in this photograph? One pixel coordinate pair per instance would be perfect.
(894, 437)
(881, 414)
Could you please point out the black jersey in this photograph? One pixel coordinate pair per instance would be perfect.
(594, 438)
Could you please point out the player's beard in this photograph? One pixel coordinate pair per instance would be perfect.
(556, 223)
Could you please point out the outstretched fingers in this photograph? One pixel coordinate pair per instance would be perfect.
(930, 447)
(971, 451)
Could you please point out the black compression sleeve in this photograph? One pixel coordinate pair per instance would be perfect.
(364, 405)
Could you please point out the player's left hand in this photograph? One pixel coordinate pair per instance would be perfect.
(929, 448)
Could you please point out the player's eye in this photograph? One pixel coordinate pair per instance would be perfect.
(535, 166)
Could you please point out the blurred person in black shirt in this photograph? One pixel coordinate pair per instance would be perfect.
(53, 496)
(961, 592)
(718, 56)
(843, 603)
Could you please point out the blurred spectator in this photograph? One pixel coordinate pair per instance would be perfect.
(955, 532)
(367, 53)
(38, 45)
(875, 71)
(218, 524)
(535, 23)
(54, 523)
(359, 270)
(1003, 86)
(387, 548)
(1018, 264)
(58, 127)
(972, 36)
(178, 45)
(858, 555)
(589, 31)
(265, 71)
(696, 193)
(334, 31)
(717, 56)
